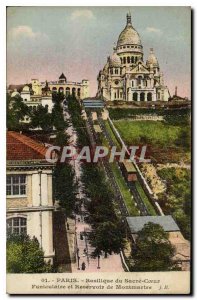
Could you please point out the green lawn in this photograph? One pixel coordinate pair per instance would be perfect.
(146, 201)
(132, 209)
(148, 131)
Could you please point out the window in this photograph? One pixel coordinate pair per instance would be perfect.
(135, 96)
(142, 96)
(149, 97)
(17, 225)
(16, 185)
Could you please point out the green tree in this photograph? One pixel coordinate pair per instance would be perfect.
(64, 186)
(24, 255)
(41, 118)
(58, 98)
(153, 252)
(107, 237)
(16, 111)
(62, 139)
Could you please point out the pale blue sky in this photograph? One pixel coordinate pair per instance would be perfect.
(43, 42)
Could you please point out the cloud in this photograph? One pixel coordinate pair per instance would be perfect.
(153, 29)
(84, 13)
(24, 31)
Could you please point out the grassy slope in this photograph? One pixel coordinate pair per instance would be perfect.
(155, 132)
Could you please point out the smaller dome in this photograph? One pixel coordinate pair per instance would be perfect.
(26, 88)
(114, 60)
(152, 59)
(15, 93)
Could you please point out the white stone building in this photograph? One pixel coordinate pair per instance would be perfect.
(29, 191)
(126, 77)
(79, 89)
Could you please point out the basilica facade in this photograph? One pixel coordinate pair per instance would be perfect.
(126, 77)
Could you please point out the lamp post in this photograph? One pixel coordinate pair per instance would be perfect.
(98, 262)
(78, 258)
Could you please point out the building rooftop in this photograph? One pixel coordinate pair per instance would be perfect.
(97, 128)
(137, 223)
(62, 76)
(129, 166)
(21, 147)
(93, 103)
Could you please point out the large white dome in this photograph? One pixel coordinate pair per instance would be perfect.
(129, 36)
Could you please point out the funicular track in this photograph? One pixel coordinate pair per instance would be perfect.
(140, 204)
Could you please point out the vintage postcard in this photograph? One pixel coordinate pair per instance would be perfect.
(98, 188)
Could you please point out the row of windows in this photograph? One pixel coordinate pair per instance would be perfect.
(142, 97)
(129, 46)
(16, 225)
(34, 107)
(116, 71)
(118, 95)
(129, 59)
(68, 90)
(16, 185)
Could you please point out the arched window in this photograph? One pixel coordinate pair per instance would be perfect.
(67, 91)
(132, 83)
(61, 90)
(78, 92)
(114, 95)
(124, 60)
(47, 107)
(142, 96)
(121, 60)
(73, 91)
(132, 60)
(135, 59)
(149, 97)
(135, 96)
(54, 90)
(16, 225)
(128, 60)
